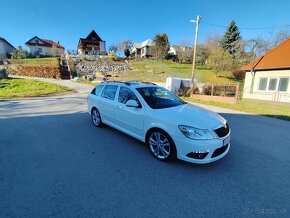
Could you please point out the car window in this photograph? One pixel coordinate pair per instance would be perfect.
(126, 94)
(110, 92)
(157, 97)
(98, 89)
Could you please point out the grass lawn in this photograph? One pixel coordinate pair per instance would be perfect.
(35, 62)
(158, 71)
(16, 88)
(271, 109)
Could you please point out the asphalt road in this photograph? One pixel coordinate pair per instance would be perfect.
(55, 163)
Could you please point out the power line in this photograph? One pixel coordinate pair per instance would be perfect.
(248, 28)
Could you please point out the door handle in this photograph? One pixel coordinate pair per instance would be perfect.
(118, 107)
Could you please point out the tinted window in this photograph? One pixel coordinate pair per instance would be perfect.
(110, 92)
(157, 97)
(263, 84)
(98, 89)
(126, 94)
(283, 84)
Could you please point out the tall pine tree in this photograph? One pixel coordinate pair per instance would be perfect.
(231, 41)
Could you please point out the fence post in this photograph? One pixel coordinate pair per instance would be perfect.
(212, 89)
(237, 91)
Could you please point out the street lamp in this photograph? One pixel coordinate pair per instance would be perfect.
(195, 45)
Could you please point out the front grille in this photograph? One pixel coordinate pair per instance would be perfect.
(219, 151)
(222, 131)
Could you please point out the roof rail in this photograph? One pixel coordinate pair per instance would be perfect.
(126, 83)
(139, 81)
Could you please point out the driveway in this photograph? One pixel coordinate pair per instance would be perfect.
(55, 163)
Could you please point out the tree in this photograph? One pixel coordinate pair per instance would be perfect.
(127, 52)
(113, 48)
(218, 60)
(279, 37)
(231, 41)
(161, 46)
(202, 54)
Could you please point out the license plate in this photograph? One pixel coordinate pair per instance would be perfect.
(227, 140)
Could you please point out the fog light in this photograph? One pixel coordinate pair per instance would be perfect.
(198, 154)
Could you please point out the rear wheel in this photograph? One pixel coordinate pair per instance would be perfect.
(96, 117)
(161, 145)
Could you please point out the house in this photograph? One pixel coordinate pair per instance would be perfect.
(92, 44)
(180, 53)
(143, 49)
(267, 78)
(175, 49)
(44, 47)
(5, 48)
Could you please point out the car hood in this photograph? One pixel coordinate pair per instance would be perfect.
(192, 115)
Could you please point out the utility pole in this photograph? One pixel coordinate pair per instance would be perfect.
(195, 46)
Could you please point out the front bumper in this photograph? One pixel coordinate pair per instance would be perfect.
(201, 151)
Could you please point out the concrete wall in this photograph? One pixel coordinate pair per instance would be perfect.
(266, 95)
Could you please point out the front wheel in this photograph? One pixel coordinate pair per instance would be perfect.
(161, 145)
(96, 117)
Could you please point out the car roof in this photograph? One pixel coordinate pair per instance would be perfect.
(135, 84)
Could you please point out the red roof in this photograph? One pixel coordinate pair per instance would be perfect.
(47, 42)
(53, 43)
(277, 58)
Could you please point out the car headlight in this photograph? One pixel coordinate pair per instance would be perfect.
(195, 133)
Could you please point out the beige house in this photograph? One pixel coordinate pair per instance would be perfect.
(267, 78)
(142, 50)
(5, 48)
(44, 47)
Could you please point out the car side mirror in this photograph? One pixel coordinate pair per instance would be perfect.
(132, 103)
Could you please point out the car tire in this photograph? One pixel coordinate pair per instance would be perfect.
(96, 117)
(161, 145)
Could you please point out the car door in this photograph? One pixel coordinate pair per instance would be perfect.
(94, 97)
(107, 104)
(130, 119)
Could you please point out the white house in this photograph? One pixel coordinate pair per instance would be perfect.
(267, 78)
(176, 48)
(5, 48)
(44, 47)
(143, 49)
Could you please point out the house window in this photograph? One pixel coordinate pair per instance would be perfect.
(283, 84)
(272, 84)
(263, 84)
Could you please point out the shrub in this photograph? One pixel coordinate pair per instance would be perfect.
(239, 75)
(3, 73)
(18, 54)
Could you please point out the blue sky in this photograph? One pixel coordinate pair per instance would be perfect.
(68, 20)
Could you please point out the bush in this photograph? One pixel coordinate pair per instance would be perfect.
(239, 75)
(18, 54)
(113, 56)
(3, 73)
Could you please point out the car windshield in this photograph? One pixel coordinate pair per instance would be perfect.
(157, 97)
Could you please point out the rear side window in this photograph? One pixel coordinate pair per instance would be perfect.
(98, 89)
(110, 92)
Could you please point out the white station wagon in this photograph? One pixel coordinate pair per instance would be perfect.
(169, 126)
